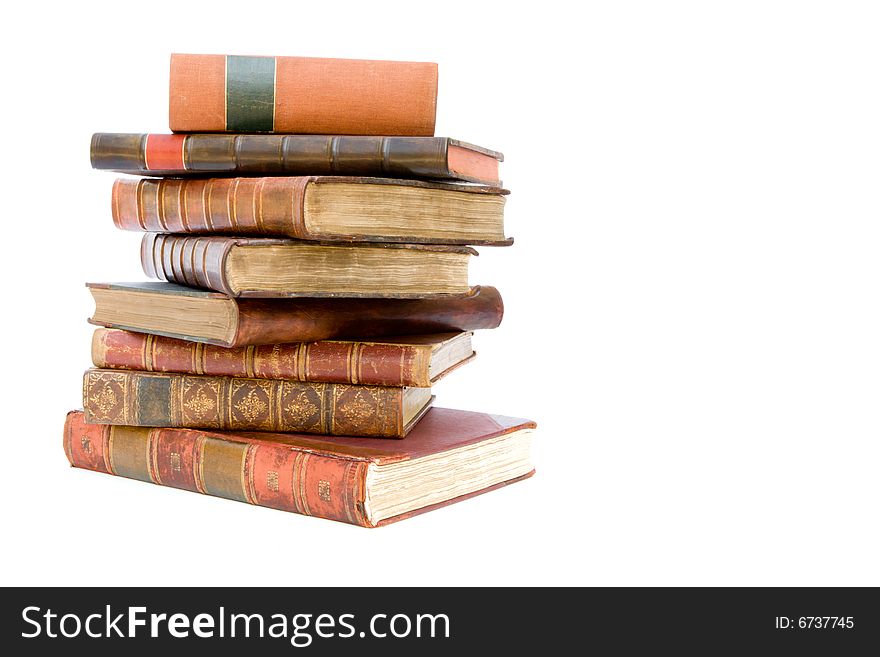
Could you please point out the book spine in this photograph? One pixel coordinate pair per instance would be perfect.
(263, 473)
(220, 93)
(117, 151)
(237, 206)
(197, 261)
(358, 363)
(388, 157)
(246, 404)
(292, 155)
(316, 155)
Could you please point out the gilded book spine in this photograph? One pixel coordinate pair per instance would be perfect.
(246, 404)
(265, 473)
(358, 363)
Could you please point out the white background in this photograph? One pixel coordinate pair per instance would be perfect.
(692, 299)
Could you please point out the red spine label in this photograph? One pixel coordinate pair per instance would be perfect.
(164, 152)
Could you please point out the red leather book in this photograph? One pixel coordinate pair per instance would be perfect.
(321, 208)
(182, 312)
(306, 95)
(418, 360)
(450, 456)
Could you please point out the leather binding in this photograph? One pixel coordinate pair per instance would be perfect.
(268, 206)
(289, 155)
(329, 361)
(305, 95)
(270, 321)
(290, 472)
(213, 402)
(201, 262)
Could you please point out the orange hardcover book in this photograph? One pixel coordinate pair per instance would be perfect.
(306, 95)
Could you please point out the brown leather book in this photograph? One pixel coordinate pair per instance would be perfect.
(187, 313)
(157, 399)
(450, 456)
(329, 208)
(439, 158)
(417, 360)
(306, 95)
(264, 267)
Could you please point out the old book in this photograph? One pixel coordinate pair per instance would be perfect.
(330, 208)
(416, 360)
(264, 267)
(295, 155)
(183, 312)
(450, 456)
(155, 399)
(306, 95)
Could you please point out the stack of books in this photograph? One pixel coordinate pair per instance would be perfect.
(311, 238)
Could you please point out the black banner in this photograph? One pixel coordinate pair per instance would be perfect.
(318, 621)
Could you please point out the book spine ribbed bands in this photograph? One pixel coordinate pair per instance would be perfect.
(263, 473)
(246, 404)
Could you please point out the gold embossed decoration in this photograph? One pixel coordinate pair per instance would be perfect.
(201, 398)
(272, 480)
(300, 409)
(174, 457)
(250, 402)
(104, 400)
(358, 410)
(274, 361)
(324, 490)
(86, 444)
(251, 406)
(200, 403)
(105, 396)
(301, 406)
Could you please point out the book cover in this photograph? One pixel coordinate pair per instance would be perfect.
(302, 474)
(214, 318)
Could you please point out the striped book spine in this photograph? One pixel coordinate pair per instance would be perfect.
(243, 468)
